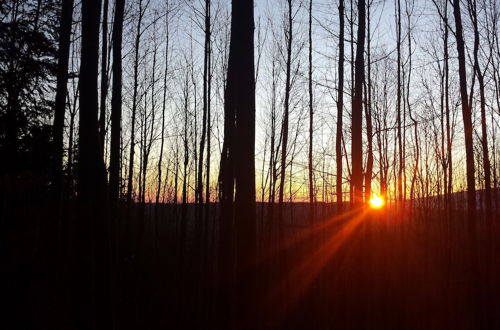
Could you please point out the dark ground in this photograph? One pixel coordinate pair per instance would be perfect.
(411, 268)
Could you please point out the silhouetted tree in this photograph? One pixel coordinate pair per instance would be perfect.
(286, 109)
(368, 111)
(92, 245)
(27, 66)
(357, 109)
(240, 118)
(311, 119)
(472, 4)
(116, 105)
(137, 41)
(466, 112)
(61, 92)
(104, 75)
(340, 107)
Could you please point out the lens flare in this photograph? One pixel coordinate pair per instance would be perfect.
(376, 202)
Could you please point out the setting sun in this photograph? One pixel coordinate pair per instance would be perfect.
(376, 202)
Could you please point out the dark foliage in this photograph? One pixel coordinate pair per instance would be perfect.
(27, 69)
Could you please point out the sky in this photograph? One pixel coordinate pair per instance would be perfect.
(184, 59)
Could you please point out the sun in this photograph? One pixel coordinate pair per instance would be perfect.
(376, 202)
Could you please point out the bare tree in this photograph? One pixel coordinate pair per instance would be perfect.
(311, 119)
(92, 244)
(104, 74)
(164, 104)
(357, 109)
(340, 107)
(368, 113)
(472, 4)
(286, 108)
(61, 92)
(138, 34)
(206, 100)
(116, 105)
(399, 103)
(466, 112)
(240, 109)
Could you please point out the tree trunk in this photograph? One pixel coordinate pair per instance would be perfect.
(368, 113)
(311, 121)
(398, 104)
(284, 145)
(199, 183)
(92, 245)
(104, 75)
(466, 113)
(340, 108)
(162, 139)
(243, 73)
(134, 105)
(61, 91)
(482, 98)
(116, 105)
(238, 164)
(357, 110)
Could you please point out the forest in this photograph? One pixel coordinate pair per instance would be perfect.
(250, 164)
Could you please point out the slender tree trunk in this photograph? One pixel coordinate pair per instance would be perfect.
(273, 150)
(183, 225)
(284, 145)
(199, 183)
(163, 108)
(61, 92)
(116, 106)
(340, 106)
(209, 132)
(398, 104)
(447, 106)
(134, 105)
(408, 105)
(311, 120)
(482, 98)
(104, 75)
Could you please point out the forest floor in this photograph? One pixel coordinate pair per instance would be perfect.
(401, 267)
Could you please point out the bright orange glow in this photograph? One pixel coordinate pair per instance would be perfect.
(376, 202)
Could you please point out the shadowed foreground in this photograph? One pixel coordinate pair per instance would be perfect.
(394, 268)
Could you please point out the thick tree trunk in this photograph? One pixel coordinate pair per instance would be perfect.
(242, 51)
(91, 233)
(239, 162)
